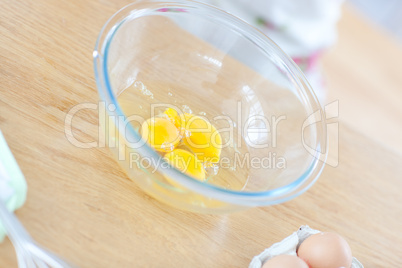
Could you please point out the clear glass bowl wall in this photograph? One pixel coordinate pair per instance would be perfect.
(203, 60)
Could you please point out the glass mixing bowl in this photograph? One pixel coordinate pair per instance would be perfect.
(197, 59)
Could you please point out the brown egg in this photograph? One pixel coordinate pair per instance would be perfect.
(326, 250)
(285, 261)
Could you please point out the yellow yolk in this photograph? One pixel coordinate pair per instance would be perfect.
(201, 137)
(187, 163)
(172, 115)
(161, 134)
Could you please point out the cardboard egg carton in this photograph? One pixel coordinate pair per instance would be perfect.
(288, 246)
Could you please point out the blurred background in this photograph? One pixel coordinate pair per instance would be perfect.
(363, 70)
(386, 14)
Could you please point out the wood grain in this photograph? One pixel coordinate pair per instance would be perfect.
(83, 207)
(363, 73)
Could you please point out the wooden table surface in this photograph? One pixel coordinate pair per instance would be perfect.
(81, 205)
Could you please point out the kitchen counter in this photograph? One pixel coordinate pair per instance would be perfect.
(82, 206)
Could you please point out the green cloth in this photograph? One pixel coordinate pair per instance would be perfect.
(13, 187)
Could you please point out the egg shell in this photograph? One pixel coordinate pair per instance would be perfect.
(288, 246)
(285, 261)
(326, 250)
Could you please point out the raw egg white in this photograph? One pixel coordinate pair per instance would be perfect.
(326, 250)
(285, 261)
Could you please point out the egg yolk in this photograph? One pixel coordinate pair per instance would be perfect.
(173, 116)
(201, 137)
(161, 134)
(187, 163)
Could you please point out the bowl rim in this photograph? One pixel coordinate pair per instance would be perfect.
(274, 196)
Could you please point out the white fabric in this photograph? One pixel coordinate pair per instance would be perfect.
(302, 28)
(299, 27)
